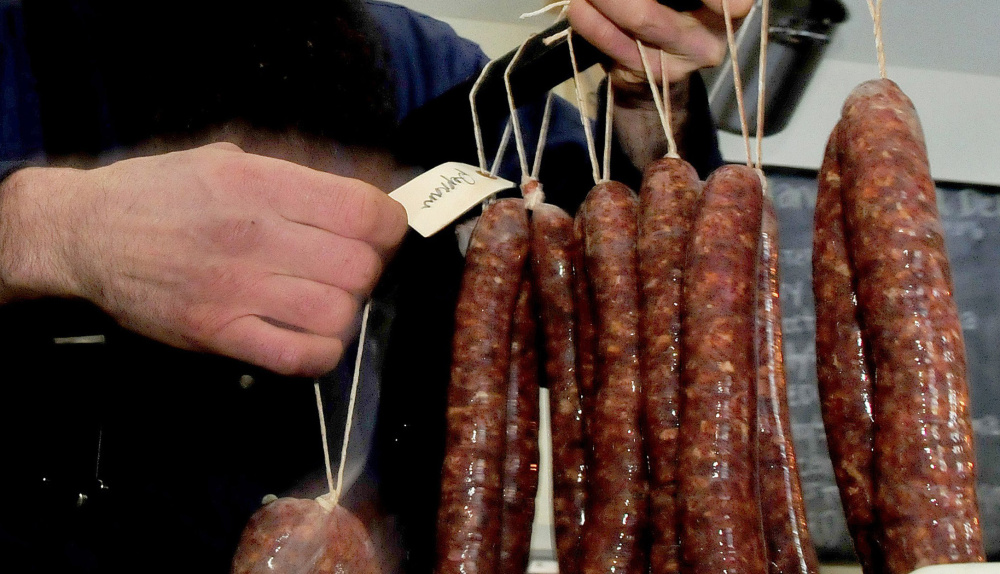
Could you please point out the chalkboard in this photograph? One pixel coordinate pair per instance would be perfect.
(971, 218)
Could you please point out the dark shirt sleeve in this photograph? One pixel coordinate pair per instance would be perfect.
(20, 125)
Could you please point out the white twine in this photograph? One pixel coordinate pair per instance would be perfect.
(588, 134)
(608, 119)
(762, 79)
(875, 9)
(476, 127)
(737, 82)
(662, 102)
(336, 489)
(518, 138)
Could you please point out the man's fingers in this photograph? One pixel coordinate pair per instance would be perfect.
(345, 206)
(318, 255)
(278, 349)
(307, 306)
(737, 8)
(613, 27)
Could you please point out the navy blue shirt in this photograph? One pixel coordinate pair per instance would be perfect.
(173, 449)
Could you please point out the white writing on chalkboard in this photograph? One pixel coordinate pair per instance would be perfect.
(795, 294)
(987, 426)
(792, 195)
(796, 258)
(968, 203)
(800, 361)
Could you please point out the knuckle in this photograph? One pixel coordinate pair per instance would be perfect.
(364, 268)
(285, 360)
(362, 212)
(715, 55)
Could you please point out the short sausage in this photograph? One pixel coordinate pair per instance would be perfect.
(300, 536)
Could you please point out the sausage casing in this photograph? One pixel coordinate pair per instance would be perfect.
(843, 366)
(586, 337)
(667, 198)
(554, 248)
(292, 535)
(924, 462)
(718, 510)
(618, 490)
(520, 467)
(789, 547)
(468, 532)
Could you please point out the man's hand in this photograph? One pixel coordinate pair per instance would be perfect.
(210, 249)
(691, 40)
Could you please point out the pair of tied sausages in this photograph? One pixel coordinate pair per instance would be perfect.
(495, 350)
(716, 413)
(489, 345)
(890, 353)
(718, 508)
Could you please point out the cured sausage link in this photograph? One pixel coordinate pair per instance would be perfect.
(618, 491)
(924, 462)
(586, 341)
(520, 467)
(554, 248)
(718, 508)
(789, 547)
(468, 531)
(667, 198)
(843, 365)
(301, 535)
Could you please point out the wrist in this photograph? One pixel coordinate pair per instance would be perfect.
(35, 223)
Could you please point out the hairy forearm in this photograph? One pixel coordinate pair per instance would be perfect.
(35, 217)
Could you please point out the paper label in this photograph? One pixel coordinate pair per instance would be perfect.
(443, 194)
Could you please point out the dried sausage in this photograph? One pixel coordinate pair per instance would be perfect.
(618, 490)
(843, 366)
(718, 508)
(554, 248)
(586, 340)
(291, 535)
(924, 462)
(468, 533)
(667, 198)
(520, 479)
(789, 546)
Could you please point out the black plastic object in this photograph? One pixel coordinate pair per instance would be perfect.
(797, 37)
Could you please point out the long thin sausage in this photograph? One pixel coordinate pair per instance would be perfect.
(789, 547)
(468, 532)
(618, 489)
(586, 341)
(520, 467)
(843, 367)
(924, 462)
(667, 198)
(554, 248)
(719, 514)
